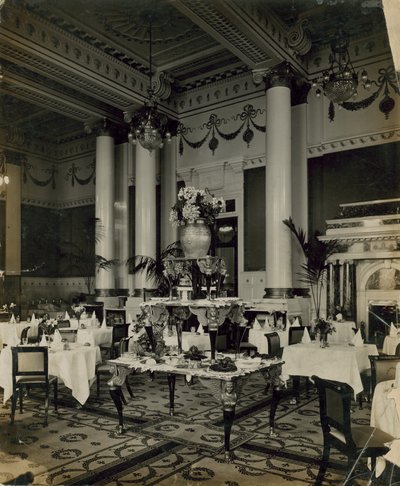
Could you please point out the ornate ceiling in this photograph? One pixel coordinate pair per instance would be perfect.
(67, 63)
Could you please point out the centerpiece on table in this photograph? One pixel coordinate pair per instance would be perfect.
(78, 310)
(323, 328)
(194, 213)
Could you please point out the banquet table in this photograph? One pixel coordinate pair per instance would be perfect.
(8, 331)
(338, 362)
(390, 344)
(258, 338)
(75, 367)
(226, 386)
(344, 332)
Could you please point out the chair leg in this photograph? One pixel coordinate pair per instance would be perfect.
(323, 466)
(128, 387)
(21, 399)
(46, 407)
(98, 385)
(13, 407)
(55, 395)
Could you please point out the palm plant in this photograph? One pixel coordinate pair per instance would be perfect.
(81, 256)
(154, 267)
(314, 270)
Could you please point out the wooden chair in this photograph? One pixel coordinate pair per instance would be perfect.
(119, 331)
(30, 367)
(383, 368)
(24, 335)
(68, 334)
(104, 368)
(335, 414)
(274, 345)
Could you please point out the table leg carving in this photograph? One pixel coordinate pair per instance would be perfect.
(273, 377)
(171, 386)
(116, 382)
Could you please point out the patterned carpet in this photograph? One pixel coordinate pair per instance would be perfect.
(80, 446)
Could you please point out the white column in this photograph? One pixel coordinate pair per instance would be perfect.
(145, 228)
(169, 233)
(121, 233)
(104, 247)
(278, 189)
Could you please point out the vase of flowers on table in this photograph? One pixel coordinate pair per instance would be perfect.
(323, 328)
(194, 213)
(78, 310)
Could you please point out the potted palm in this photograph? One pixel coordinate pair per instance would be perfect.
(314, 270)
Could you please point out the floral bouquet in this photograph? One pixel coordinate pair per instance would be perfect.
(323, 328)
(194, 204)
(78, 310)
(46, 325)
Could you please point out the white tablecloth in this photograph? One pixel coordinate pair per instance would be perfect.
(257, 337)
(384, 412)
(95, 336)
(390, 344)
(76, 368)
(8, 330)
(337, 362)
(344, 332)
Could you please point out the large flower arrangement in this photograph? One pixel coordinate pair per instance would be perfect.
(194, 204)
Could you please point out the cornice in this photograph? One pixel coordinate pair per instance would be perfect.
(86, 201)
(353, 142)
(254, 162)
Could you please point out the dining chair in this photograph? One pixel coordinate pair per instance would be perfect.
(119, 331)
(103, 368)
(30, 367)
(24, 335)
(68, 334)
(383, 368)
(335, 416)
(274, 345)
(295, 336)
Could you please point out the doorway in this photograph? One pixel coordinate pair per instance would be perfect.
(225, 246)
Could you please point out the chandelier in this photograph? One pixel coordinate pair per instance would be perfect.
(340, 81)
(4, 179)
(148, 126)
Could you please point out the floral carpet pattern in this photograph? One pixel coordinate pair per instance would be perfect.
(80, 446)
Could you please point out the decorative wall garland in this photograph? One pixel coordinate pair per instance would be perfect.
(73, 174)
(27, 174)
(213, 126)
(385, 81)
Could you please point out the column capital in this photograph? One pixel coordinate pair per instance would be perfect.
(281, 75)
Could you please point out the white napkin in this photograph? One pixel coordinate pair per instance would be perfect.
(33, 319)
(93, 319)
(200, 329)
(393, 330)
(339, 317)
(104, 324)
(57, 339)
(267, 325)
(306, 336)
(296, 323)
(256, 325)
(12, 320)
(129, 317)
(43, 341)
(358, 340)
(66, 317)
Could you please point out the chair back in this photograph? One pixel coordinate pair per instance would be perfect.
(335, 409)
(68, 334)
(64, 323)
(24, 333)
(124, 345)
(119, 331)
(296, 334)
(274, 344)
(29, 361)
(383, 368)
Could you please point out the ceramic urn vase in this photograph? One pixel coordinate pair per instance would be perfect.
(195, 239)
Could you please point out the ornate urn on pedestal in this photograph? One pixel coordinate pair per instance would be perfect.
(195, 238)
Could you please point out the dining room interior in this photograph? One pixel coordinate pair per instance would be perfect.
(200, 242)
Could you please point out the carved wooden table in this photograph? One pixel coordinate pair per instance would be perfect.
(225, 385)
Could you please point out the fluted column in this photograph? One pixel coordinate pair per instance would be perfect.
(124, 153)
(145, 199)
(105, 283)
(13, 223)
(169, 233)
(278, 186)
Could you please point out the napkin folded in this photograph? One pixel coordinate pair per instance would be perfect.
(256, 324)
(33, 319)
(296, 323)
(393, 330)
(104, 324)
(306, 336)
(267, 325)
(43, 341)
(129, 317)
(12, 320)
(66, 317)
(357, 340)
(200, 329)
(339, 317)
(57, 338)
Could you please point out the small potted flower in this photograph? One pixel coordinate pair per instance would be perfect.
(323, 328)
